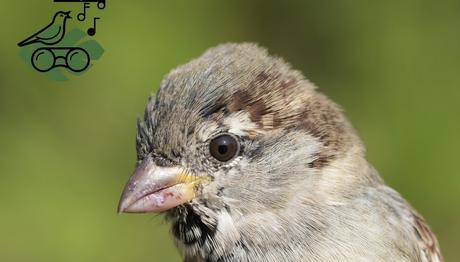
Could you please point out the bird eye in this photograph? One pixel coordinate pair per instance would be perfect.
(224, 147)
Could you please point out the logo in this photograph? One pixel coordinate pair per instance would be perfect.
(56, 51)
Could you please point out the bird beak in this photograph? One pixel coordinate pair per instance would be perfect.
(156, 189)
(67, 14)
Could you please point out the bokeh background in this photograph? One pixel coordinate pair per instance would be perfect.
(67, 148)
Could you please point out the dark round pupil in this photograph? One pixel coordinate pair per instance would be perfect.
(223, 147)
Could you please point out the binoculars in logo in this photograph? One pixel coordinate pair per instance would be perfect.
(75, 59)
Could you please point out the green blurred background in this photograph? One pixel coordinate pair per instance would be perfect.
(67, 148)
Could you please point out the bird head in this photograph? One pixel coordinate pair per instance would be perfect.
(61, 16)
(230, 135)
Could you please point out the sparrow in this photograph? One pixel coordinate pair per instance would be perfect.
(52, 33)
(249, 162)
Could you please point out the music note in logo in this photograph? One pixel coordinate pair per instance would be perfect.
(92, 30)
(82, 16)
(100, 3)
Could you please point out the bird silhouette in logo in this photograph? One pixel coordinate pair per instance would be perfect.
(52, 33)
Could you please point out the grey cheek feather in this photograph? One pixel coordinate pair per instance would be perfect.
(266, 180)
